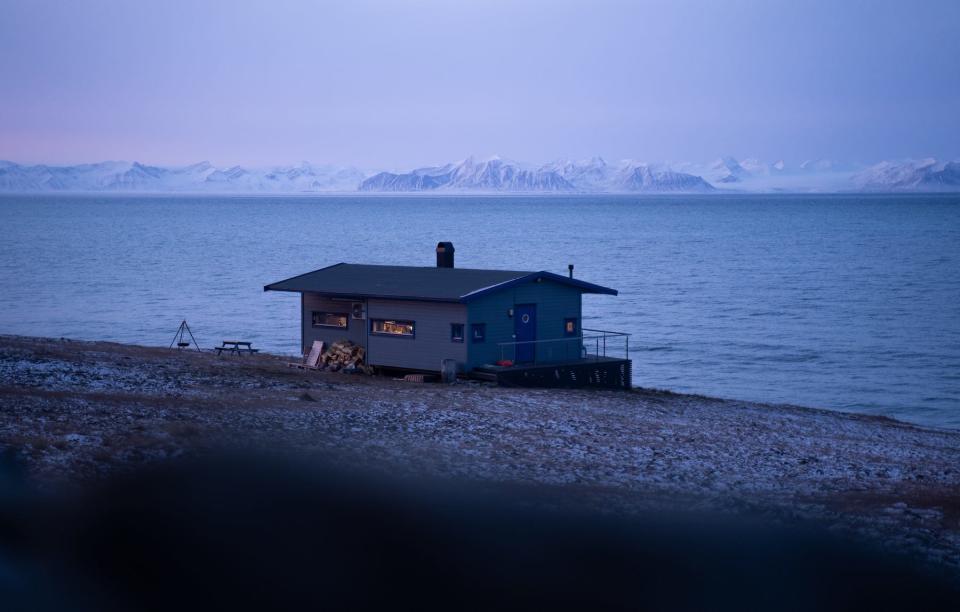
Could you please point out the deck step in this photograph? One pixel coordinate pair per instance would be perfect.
(479, 374)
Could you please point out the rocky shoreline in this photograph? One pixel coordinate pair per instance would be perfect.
(74, 412)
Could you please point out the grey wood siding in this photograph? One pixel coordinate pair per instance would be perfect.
(355, 331)
(555, 302)
(431, 342)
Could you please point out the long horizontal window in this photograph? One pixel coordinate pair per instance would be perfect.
(392, 327)
(329, 319)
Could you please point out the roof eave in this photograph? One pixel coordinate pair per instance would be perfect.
(272, 286)
(366, 296)
(583, 286)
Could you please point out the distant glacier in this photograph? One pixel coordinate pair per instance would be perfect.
(203, 177)
(493, 175)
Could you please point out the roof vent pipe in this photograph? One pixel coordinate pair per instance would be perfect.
(445, 254)
(570, 269)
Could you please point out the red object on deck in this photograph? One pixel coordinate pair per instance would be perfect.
(505, 363)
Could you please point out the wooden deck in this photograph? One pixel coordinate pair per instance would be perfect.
(591, 372)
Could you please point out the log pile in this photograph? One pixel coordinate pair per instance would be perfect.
(344, 356)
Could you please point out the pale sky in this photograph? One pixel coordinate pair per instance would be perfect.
(401, 84)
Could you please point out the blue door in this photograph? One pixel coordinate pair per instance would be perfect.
(525, 330)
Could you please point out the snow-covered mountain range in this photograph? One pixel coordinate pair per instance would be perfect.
(490, 175)
(926, 175)
(499, 175)
(495, 175)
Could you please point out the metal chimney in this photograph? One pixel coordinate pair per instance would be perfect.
(445, 254)
(570, 269)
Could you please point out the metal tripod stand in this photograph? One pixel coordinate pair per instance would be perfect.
(180, 340)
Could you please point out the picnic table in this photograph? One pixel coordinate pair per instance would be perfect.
(237, 347)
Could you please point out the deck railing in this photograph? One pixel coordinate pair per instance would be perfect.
(601, 342)
(608, 340)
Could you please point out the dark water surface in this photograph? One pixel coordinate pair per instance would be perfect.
(843, 302)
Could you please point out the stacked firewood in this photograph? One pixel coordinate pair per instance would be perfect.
(345, 356)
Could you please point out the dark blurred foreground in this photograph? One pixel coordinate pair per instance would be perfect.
(236, 534)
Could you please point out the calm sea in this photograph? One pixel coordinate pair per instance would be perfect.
(843, 302)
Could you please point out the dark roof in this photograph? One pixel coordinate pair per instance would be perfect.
(418, 283)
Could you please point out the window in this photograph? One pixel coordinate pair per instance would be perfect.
(478, 331)
(456, 332)
(392, 327)
(330, 319)
(570, 327)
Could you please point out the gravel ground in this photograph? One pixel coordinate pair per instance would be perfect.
(72, 412)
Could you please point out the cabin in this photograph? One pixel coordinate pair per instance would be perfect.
(513, 327)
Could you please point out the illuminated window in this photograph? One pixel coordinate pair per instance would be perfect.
(391, 327)
(330, 319)
(569, 327)
(456, 332)
(478, 331)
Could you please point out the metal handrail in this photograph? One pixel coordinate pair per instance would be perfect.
(624, 335)
(597, 335)
(603, 331)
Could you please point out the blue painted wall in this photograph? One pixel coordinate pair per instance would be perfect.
(555, 302)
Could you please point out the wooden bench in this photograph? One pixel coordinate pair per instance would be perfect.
(236, 347)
